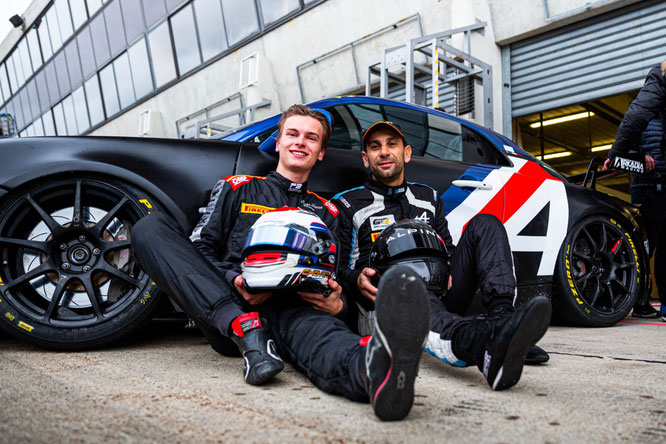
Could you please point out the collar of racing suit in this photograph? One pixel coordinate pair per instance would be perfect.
(386, 190)
(286, 184)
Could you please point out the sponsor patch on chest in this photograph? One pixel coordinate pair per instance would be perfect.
(254, 208)
(378, 223)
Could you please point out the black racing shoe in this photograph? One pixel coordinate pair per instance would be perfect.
(392, 356)
(262, 361)
(644, 311)
(498, 345)
(536, 355)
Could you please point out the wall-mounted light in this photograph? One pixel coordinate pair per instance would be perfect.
(16, 20)
(562, 119)
(601, 147)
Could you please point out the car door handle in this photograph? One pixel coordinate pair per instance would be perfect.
(472, 184)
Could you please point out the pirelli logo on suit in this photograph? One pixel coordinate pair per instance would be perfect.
(254, 208)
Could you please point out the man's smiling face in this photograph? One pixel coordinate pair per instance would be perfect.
(299, 144)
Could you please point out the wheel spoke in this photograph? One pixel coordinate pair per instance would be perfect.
(113, 271)
(587, 259)
(624, 265)
(103, 222)
(611, 293)
(115, 245)
(602, 247)
(593, 244)
(35, 245)
(50, 222)
(57, 296)
(77, 214)
(91, 291)
(35, 272)
(621, 285)
(596, 292)
(582, 279)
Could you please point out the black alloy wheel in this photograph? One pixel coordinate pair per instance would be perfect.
(599, 273)
(69, 279)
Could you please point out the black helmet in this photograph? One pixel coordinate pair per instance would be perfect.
(417, 244)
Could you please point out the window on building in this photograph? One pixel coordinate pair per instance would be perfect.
(64, 19)
(18, 66)
(70, 115)
(52, 82)
(93, 6)
(86, 52)
(25, 111)
(143, 80)
(133, 18)
(4, 82)
(44, 39)
(211, 27)
(43, 90)
(79, 14)
(153, 10)
(99, 40)
(124, 76)
(114, 27)
(173, 4)
(49, 126)
(54, 29)
(73, 63)
(38, 128)
(271, 10)
(94, 101)
(59, 116)
(161, 55)
(61, 71)
(13, 81)
(33, 97)
(33, 45)
(240, 19)
(185, 40)
(109, 92)
(80, 109)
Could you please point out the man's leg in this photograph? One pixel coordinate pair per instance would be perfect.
(199, 288)
(336, 360)
(651, 205)
(482, 260)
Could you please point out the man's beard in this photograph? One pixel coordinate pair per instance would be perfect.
(387, 176)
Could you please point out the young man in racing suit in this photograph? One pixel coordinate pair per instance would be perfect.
(204, 278)
(482, 260)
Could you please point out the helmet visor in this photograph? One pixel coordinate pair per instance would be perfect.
(434, 272)
(291, 237)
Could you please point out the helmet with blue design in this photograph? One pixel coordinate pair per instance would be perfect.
(289, 248)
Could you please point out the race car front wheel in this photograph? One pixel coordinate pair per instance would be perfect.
(598, 273)
(68, 278)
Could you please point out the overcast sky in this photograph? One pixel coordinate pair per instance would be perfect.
(7, 9)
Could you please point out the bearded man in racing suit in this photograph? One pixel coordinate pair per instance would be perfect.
(482, 260)
(204, 278)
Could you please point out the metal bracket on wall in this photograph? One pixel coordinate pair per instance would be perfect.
(209, 126)
(447, 65)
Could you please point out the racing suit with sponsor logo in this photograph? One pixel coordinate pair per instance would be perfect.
(199, 272)
(481, 260)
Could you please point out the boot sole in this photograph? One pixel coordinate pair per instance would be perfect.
(402, 323)
(532, 325)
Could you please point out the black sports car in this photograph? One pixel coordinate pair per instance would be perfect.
(68, 278)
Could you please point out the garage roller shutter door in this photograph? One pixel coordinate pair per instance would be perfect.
(602, 56)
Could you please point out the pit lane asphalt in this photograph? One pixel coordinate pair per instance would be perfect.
(167, 385)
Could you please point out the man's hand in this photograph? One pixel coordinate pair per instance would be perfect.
(365, 284)
(607, 164)
(252, 299)
(649, 162)
(332, 304)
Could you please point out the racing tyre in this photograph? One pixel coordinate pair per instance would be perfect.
(598, 273)
(68, 278)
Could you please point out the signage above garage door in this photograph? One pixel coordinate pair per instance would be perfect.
(598, 57)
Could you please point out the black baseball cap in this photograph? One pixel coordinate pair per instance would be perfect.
(382, 124)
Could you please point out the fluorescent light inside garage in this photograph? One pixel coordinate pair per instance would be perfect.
(562, 119)
(601, 147)
(555, 155)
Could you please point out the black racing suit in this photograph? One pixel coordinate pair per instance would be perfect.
(198, 274)
(482, 258)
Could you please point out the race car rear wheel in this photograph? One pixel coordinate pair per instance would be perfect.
(598, 273)
(68, 276)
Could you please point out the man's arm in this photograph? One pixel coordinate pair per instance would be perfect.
(441, 226)
(344, 232)
(646, 106)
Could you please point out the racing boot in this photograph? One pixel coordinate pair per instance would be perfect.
(395, 347)
(261, 359)
(498, 344)
(644, 311)
(536, 355)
